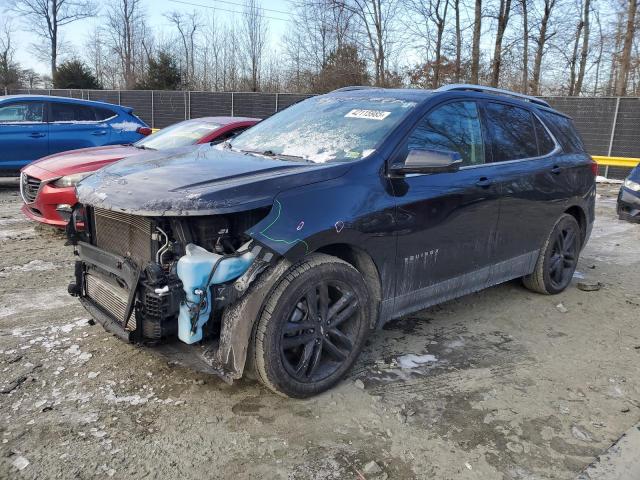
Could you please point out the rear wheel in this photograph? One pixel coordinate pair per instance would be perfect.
(558, 258)
(312, 327)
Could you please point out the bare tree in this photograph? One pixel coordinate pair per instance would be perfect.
(525, 45)
(47, 17)
(125, 30)
(503, 19)
(625, 58)
(254, 37)
(9, 71)
(187, 26)
(458, 35)
(427, 12)
(541, 42)
(584, 52)
(377, 18)
(475, 46)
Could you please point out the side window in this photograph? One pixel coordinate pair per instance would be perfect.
(103, 113)
(453, 127)
(22, 112)
(546, 144)
(564, 130)
(69, 112)
(512, 131)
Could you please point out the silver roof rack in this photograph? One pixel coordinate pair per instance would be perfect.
(356, 87)
(496, 91)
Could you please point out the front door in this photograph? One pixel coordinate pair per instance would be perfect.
(446, 221)
(23, 134)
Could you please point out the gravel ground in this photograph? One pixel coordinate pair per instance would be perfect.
(501, 384)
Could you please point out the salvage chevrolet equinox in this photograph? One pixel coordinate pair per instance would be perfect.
(280, 249)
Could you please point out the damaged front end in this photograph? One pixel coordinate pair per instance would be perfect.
(187, 287)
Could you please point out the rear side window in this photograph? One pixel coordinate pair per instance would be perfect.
(512, 132)
(103, 113)
(564, 130)
(546, 145)
(453, 127)
(69, 112)
(22, 112)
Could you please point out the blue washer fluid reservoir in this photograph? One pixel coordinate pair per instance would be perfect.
(194, 269)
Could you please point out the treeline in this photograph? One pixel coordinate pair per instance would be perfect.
(543, 47)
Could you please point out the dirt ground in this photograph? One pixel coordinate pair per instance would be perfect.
(504, 384)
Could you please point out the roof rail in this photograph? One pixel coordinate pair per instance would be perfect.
(355, 87)
(496, 91)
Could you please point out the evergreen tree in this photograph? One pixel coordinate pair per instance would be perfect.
(162, 74)
(343, 68)
(75, 74)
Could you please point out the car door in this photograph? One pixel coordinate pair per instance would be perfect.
(446, 221)
(531, 182)
(73, 126)
(23, 133)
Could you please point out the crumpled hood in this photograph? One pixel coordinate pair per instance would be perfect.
(201, 182)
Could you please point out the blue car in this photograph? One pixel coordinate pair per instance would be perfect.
(629, 197)
(34, 126)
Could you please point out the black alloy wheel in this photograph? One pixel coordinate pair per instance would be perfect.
(321, 331)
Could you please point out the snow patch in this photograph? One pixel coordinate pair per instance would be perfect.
(413, 361)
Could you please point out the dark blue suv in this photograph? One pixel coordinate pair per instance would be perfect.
(34, 126)
(283, 247)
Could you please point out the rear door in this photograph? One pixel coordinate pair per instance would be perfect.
(23, 133)
(532, 183)
(73, 126)
(446, 221)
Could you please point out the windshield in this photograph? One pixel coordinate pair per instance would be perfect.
(178, 135)
(324, 129)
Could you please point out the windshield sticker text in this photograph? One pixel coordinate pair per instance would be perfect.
(369, 114)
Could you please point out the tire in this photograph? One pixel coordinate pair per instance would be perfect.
(558, 258)
(302, 362)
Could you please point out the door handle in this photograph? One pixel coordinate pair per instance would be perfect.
(484, 182)
(99, 133)
(556, 170)
(36, 135)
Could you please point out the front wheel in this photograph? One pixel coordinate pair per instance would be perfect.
(558, 258)
(312, 327)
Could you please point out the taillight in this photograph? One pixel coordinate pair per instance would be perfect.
(594, 168)
(143, 131)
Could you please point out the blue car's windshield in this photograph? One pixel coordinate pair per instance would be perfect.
(327, 128)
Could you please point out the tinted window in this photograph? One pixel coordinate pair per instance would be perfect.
(453, 127)
(21, 112)
(564, 131)
(68, 112)
(545, 142)
(103, 113)
(512, 132)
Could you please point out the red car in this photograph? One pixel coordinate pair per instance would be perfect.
(47, 186)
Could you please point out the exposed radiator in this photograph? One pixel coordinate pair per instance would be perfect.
(123, 234)
(110, 298)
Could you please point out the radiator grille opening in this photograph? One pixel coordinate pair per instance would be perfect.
(123, 234)
(29, 187)
(110, 298)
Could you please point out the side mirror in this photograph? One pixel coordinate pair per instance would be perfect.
(429, 161)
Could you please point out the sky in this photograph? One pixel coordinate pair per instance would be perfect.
(226, 10)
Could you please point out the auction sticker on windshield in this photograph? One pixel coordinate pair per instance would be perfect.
(369, 114)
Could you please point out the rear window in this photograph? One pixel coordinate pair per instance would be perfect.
(103, 113)
(69, 112)
(564, 130)
(512, 131)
